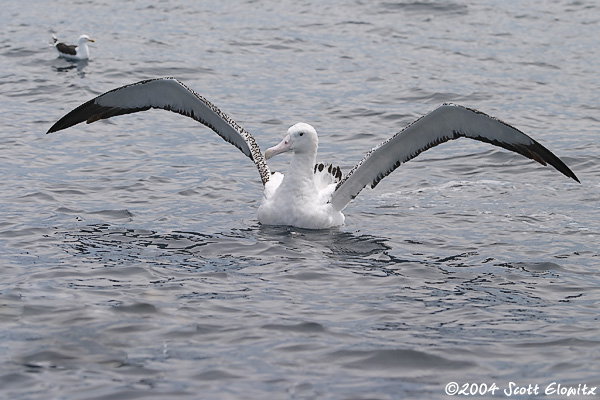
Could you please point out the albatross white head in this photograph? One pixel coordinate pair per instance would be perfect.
(301, 138)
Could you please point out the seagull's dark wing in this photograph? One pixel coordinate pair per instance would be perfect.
(172, 95)
(445, 123)
(67, 48)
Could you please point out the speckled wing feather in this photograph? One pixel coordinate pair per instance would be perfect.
(171, 95)
(445, 123)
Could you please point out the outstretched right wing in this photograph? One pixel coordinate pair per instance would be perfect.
(171, 95)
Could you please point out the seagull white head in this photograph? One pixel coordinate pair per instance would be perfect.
(301, 138)
(85, 38)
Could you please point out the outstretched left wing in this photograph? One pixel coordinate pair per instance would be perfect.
(171, 95)
(447, 122)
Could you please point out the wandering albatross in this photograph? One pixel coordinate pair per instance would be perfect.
(80, 51)
(312, 195)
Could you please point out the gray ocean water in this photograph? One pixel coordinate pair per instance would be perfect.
(132, 262)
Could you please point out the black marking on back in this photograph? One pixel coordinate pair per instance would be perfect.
(335, 172)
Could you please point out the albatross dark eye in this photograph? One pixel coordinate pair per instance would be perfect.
(301, 133)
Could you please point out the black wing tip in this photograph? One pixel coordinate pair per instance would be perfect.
(60, 125)
(544, 156)
(566, 171)
(74, 117)
(572, 175)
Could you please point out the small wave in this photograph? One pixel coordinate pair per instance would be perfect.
(38, 196)
(303, 327)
